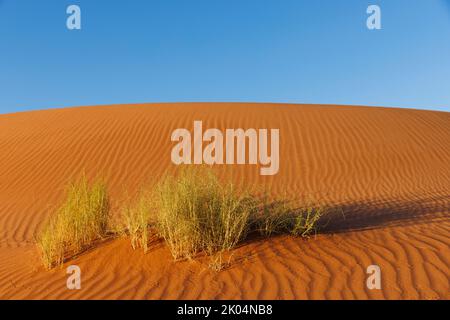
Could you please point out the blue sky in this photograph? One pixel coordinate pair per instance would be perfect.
(295, 51)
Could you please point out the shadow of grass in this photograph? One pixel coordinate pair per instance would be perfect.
(363, 215)
(339, 218)
(368, 215)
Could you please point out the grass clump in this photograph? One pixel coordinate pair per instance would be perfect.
(81, 219)
(284, 216)
(137, 220)
(218, 263)
(194, 212)
(305, 220)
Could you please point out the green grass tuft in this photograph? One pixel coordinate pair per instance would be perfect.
(285, 216)
(81, 219)
(194, 212)
(136, 219)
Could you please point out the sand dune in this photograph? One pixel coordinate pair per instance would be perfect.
(387, 169)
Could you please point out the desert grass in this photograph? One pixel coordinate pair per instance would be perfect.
(192, 211)
(217, 262)
(285, 216)
(77, 223)
(195, 212)
(136, 220)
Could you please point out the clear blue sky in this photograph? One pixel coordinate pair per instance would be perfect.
(296, 51)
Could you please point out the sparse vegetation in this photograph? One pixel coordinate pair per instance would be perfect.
(283, 216)
(136, 220)
(217, 262)
(192, 211)
(305, 220)
(80, 220)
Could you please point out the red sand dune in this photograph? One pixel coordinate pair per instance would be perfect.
(388, 169)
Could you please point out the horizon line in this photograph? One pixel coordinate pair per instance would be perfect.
(224, 102)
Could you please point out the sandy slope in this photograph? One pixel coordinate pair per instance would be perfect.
(388, 169)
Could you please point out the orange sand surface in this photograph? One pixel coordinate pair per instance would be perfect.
(387, 169)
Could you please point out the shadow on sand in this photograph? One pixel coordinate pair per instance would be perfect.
(342, 218)
(374, 214)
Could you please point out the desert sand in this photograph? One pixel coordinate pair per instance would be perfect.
(387, 169)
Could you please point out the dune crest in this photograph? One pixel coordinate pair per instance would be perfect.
(386, 169)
